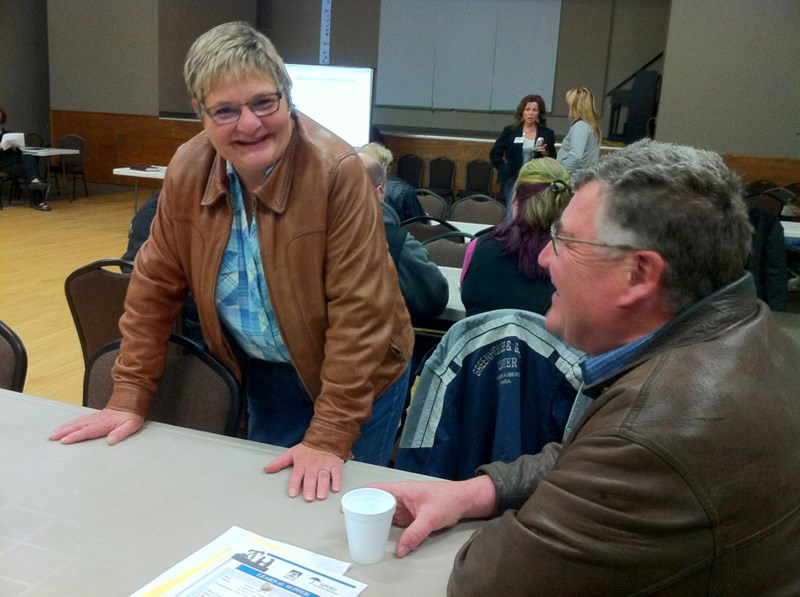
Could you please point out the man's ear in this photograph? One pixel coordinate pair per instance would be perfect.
(644, 277)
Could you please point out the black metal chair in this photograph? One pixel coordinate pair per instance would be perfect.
(409, 168)
(195, 391)
(96, 297)
(773, 200)
(72, 165)
(13, 360)
(478, 178)
(441, 176)
(425, 227)
(433, 204)
(478, 209)
(448, 249)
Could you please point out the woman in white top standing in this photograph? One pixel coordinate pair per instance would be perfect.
(581, 147)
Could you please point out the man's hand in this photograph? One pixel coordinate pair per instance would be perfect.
(427, 506)
(315, 471)
(114, 424)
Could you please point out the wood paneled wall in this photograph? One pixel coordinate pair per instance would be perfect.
(114, 140)
(782, 171)
(461, 151)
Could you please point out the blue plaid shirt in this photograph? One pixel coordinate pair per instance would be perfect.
(242, 297)
(606, 364)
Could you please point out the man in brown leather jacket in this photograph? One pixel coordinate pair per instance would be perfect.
(680, 473)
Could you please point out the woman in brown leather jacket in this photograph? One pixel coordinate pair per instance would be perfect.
(269, 220)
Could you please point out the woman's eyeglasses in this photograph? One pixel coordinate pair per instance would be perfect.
(231, 113)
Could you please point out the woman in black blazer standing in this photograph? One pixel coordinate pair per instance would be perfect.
(520, 142)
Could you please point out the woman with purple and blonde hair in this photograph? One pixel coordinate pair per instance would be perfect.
(500, 269)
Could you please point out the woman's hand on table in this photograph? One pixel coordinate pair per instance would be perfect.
(316, 472)
(116, 425)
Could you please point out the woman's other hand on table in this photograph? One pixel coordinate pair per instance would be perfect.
(116, 425)
(316, 472)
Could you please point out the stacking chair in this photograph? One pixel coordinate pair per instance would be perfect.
(448, 249)
(425, 227)
(433, 204)
(478, 209)
(96, 297)
(497, 386)
(73, 164)
(773, 200)
(409, 168)
(756, 186)
(196, 391)
(441, 176)
(13, 360)
(478, 178)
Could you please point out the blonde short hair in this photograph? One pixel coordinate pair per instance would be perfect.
(379, 153)
(229, 51)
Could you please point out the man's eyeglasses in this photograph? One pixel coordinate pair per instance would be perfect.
(231, 113)
(557, 239)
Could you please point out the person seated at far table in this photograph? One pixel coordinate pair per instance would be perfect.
(400, 195)
(681, 474)
(423, 285)
(501, 269)
(20, 165)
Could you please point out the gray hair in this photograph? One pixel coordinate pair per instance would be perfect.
(233, 50)
(683, 203)
(375, 170)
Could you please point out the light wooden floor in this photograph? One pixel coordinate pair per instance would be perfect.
(37, 252)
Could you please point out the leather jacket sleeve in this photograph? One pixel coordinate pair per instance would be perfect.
(559, 541)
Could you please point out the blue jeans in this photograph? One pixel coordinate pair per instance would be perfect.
(279, 411)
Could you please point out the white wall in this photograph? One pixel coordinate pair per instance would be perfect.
(732, 77)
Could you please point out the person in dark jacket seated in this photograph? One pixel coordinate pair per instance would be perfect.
(19, 165)
(397, 193)
(681, 473)
(506, 256)
(423, 285)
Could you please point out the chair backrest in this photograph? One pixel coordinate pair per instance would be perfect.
(478, 209)
(441, 176)
(497, 386)
(96, 298)
(433, 204)
(13, 360)
(448, 249)
(409, 168)
(425, 227)
(73, 162)
(478, 178)
(756, 186)
(773, 200)
(196, 391)
(33, 140)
